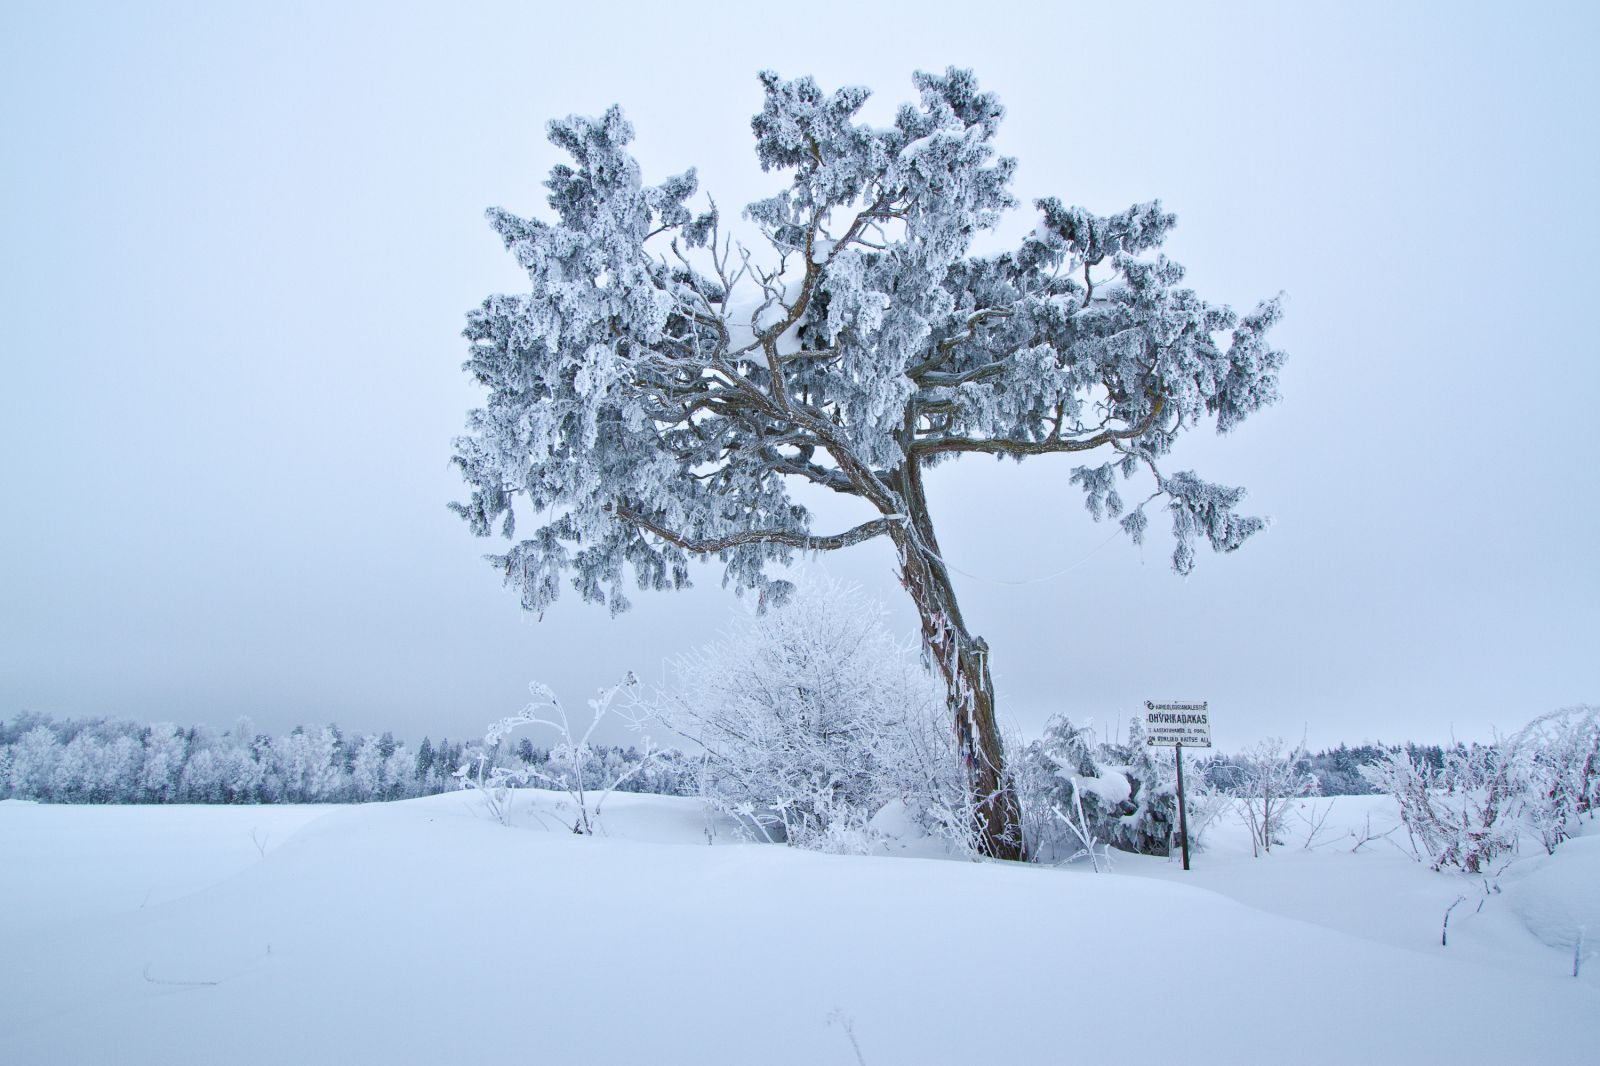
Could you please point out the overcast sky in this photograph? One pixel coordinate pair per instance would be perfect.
(239, 242)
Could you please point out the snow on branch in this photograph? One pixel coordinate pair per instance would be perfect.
(865, 531)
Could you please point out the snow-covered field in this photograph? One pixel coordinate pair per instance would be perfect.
(424, 932)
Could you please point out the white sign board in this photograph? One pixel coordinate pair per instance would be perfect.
(1167, 725)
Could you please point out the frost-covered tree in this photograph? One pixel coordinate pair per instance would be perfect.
(33, 763)
(658, 390)
(223, 773)
(309, 765)
(166, 747)
(397, 773)
(366, 771)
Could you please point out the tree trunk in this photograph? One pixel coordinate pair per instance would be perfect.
(963, 662)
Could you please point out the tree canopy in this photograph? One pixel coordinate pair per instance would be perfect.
(657, 373)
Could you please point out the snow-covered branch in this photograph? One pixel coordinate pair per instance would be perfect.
(808, 542)
(1054, 443)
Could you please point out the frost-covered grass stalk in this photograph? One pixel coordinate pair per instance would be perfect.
(570, 759)
(1444, 927)
(1078, 823)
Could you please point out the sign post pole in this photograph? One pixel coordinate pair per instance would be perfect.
(1175, 725)
(1183, 817)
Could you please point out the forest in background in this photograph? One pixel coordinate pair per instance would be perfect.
(105, 760)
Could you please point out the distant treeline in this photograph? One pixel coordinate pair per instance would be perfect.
(111, 761)
(1337, 770)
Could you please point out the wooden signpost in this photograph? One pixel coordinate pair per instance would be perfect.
(1178, 725)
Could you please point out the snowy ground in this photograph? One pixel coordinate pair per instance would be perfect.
(423, 932)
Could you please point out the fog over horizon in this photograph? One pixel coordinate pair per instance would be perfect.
(243, 239)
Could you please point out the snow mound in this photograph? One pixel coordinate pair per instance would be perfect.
(1560, 900)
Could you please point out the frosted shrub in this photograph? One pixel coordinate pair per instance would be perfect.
(1484, 799)
(848, 833)
(1127, 796)
(1558, 764)
(1265, 782)
(810, 717)
(1148, 829)
(1462, 814)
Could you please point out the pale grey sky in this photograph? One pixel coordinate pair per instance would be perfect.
(240, 241)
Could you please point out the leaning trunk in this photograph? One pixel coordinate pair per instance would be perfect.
(963, 662)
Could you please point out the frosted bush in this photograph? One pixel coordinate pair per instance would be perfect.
(1485, 799)
(1558, 761)
(1127, 794)
(1265, 782)
(812, 716)
(1464, 814)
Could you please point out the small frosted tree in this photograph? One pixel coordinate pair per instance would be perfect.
(1266, 781)
(658, 389)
